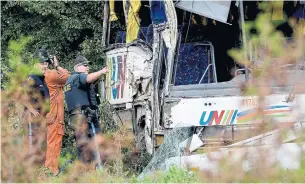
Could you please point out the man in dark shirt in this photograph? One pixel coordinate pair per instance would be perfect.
(79, 96)
(37, 98)
(38, 94)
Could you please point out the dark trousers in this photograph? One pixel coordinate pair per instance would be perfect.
(84, 135)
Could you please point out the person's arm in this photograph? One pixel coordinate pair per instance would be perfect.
(63, 76)
(31, 109)
(92, 77)
(26, 100)
(59, 78)
(58, 68)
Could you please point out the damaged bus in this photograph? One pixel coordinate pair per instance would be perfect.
(169, 68)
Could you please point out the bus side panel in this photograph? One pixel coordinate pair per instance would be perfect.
(233, 110)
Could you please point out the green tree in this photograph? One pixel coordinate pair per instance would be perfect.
(64, 28)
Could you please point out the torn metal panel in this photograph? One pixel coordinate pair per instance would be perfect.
(127, 66)
(157, 59)
(170, 37)
(163, 33)
(167, 111)
(143, 127)
(148, 129)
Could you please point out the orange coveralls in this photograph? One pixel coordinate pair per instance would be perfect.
(55, 80)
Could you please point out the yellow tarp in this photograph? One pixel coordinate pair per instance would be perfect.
(113, 16)
(133, 21)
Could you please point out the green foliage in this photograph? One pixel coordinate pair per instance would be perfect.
(19, 69)
(64, 28)
(173, 175)
(14, 156)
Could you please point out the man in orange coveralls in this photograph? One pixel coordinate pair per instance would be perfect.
(55, 80)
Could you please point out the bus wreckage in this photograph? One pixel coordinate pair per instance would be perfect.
(170, 79)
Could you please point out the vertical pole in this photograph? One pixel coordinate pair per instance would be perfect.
(97, 150)
(105, 23)
(101, 84)
(242, 23)
(157, 64)
(30, 138)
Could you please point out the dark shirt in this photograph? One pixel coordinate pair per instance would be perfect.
(38, 92)
(79, 93)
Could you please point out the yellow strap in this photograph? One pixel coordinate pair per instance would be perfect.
(133, 21)
(113, 16)
(277, 13)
